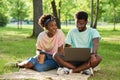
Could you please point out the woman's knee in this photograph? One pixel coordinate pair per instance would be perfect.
(43, 67)
(39, 69)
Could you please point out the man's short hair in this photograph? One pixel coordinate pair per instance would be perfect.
(81, 15)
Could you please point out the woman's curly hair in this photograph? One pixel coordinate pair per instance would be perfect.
(44, 19)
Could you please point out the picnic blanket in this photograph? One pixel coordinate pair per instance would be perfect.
(28, 74)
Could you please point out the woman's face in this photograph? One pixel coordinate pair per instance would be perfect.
(51, 27)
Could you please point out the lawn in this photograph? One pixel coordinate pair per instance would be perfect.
(15, 45)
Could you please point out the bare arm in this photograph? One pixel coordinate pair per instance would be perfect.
(95, 45)
(60, 49)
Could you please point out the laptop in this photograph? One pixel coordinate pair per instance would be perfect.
(76, 54)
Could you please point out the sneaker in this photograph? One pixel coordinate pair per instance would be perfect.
(64, 70)
(88, 71)
(21, 64)
(92, 72)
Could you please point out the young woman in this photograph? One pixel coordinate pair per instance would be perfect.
(50, 41)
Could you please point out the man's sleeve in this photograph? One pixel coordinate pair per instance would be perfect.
(96, 34)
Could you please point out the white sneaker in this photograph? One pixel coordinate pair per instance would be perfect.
(88, 72)
(22, 63)
(92, 72)
(64, 70)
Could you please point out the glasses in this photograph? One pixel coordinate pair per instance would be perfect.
(82, 25)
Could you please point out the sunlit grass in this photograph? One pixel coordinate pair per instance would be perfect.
(15, 45)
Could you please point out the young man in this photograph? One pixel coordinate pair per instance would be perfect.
(81, 37)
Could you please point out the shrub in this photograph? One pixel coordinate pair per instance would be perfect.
(3, 20)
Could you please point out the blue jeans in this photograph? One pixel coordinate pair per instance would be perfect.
(48, 64)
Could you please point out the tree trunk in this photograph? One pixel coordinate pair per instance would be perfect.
(21, 24)
(114, 17)
(97, 9)
(55, 13)
(91, 24)
(59, 11)
(18, 22)
(18, 14)
(38, 11)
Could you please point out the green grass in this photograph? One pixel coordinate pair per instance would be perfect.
(109, 49)
(15, 45)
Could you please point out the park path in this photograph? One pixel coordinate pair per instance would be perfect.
(27, 74)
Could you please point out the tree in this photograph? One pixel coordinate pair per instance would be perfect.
(68, 9)
(4, 12)
(114, 4)
(37, 12)
(20, 11)
(96, 18)
(3, 20)
(91, 24)
(65, 10)
(56, 13)
(93, 12)
(111, 11)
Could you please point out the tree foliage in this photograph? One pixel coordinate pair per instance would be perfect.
(4, 16)
(20, 11)
(109, 10)
(3, 20)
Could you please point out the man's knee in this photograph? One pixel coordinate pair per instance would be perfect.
(99, 58)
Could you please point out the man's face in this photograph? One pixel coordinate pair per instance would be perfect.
(81, 24)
